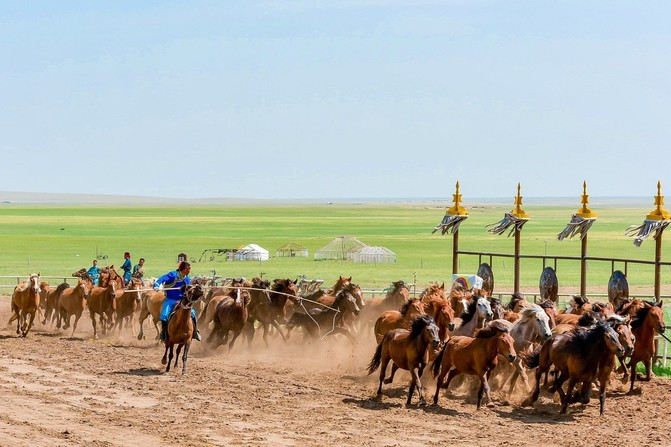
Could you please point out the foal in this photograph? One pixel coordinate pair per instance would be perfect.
(407, 350)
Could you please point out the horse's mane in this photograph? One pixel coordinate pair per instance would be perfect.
(259, 283)
(640, 316)
(587, 319)
(516, 297)
(492, 329)
(546, 304)
(533, 310)
(625, 303)
(585, 341)
(418, 325)
(432, 289)
(580, 300)
(469, 313)
(405, 307)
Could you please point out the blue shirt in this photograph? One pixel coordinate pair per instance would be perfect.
(170, 280)
(126, 267)
(94, 273)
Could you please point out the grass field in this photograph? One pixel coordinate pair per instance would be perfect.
(59, 240)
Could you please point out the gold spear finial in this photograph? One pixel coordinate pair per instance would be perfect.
(518, 211)
(659, 213)
(584, 211)
(457, 209)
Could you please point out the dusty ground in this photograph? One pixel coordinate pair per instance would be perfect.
(58, 390)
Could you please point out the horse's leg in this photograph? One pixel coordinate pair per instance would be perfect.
(179, 349)
(265, 334)
(30, 323)
(74, 327)
(394, 368)
(141, 318)
(184, 356)
(383, 371)
(439, 381)
(413, 383)
(420, 390)
(170, 355)
(250, 331)
(567, 396)
(602, 394)
(632, 368)
(537, 389)
(164, 360)
(276, 325)
(648, 370)
(235, 337)
(490, 403)
(93, 322)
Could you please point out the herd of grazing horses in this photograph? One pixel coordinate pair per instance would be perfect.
(455, 331)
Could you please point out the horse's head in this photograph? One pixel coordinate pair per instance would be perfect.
(412, 309)
(657, 316)
(135, 284)
(81, 273)
(425, 327)
(497, 307)
(611, 339)
(192, 293)
(484, 309)
(446, 315)
(550, 310)
(625, 336)
(536, 316)
(83, 285)
(34, 282)
(345, 301)
(506, 346)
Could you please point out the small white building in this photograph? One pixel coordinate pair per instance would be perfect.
(251, 252)
(374, 255)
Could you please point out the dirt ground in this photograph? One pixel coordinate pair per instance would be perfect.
(58, 390)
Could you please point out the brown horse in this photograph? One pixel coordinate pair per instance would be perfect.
(517, 303)
(394, 299)
(581, 355)
(108, 274)
(323, 321)
(393, 319)
(51, 312)
(102, 302)
(475, 356)
(577, 305)
(71, 302)
(152, 302)
(459, 299)
(25, 302)
(127, 302)
(180, 326)
(407, 350)
(267, 306)
(231, 316)
(45, 288)
(551, 311)
(647, 321)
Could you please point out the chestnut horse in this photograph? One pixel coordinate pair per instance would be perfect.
(231, 316)
(25, 301)
(71, 302)
(102, 302)
(476, 356)
(394, 299)
(51, 312)
(647, 321)
(127, 302)
(152, 302)
(180, 326)
(214, 296)
(393, 319)
(407, 350)
(581, 355)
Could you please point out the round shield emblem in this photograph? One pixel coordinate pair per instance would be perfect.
(618, 288)
(485, 272)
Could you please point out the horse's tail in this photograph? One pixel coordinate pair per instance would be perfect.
(531, 359)
(377, 358)
(435, 366)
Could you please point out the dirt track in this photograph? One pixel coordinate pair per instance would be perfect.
(58, 390)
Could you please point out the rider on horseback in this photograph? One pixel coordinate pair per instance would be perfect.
(173, 282)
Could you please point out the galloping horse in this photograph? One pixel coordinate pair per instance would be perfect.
(127, 302)
(25, 301)
(102, 301)
(180, 326)
(475, 356)
(479, 311)
(407, 350)
(108, 274)
(330, 318)
(51, 312)
(71, 302)
(152, 302)
(581, 355)
(394, 299)
(268, 306)
(393, 319)
(231, 316)
(214, 296)
(646, 322)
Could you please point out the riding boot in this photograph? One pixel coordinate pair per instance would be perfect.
(196, 334)
(164, 330)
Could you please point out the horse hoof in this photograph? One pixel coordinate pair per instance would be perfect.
(422, 403)
(491, 405)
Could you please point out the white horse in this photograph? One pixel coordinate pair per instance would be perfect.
(478, 312)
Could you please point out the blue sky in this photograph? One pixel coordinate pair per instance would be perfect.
(335, 99)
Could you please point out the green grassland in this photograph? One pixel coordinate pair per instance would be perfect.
(57, 240)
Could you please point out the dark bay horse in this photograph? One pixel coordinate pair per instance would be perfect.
(406, 349)
(647, 321)
(578, 356)
(267, 306)
(476, 356)
(180, 326)
(25, 302)
(230, 316)
(322, 321)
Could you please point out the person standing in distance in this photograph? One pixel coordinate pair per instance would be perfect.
(127, 266)
(138, 270)
(172, 283)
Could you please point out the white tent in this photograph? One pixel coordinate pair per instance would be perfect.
(251, 252)
(374, 254)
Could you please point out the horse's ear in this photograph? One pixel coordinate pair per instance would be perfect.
(349, 279)
(295, 281)
(658, 303)
(443, 286)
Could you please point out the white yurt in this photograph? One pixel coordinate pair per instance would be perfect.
(374, 255)
(251, 252)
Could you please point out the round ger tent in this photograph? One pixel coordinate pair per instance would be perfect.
(340, 249)
(291, 250)
(251, 252)
(375, 255)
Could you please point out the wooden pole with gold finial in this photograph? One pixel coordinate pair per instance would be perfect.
(520, 214)
(456, 210)
(658, 213)
(585, 213)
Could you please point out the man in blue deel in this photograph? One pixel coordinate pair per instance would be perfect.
(127, 266)
(172, 283)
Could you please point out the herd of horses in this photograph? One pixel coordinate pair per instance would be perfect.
(453, 331)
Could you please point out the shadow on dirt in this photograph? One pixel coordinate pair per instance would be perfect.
(140, 372)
